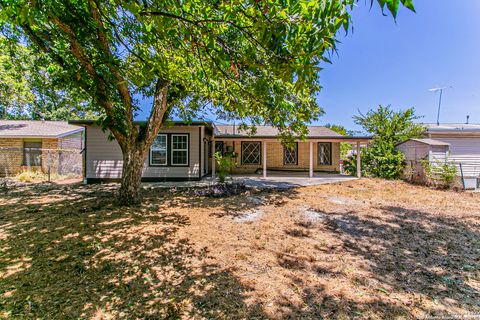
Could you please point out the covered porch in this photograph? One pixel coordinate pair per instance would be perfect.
(307, 162)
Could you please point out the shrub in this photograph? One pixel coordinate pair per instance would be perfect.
(225, 163)
(377, 161)
(31, 176)
(440, 174)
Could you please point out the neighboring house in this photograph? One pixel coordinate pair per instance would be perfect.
(454, 142)
(184, 151)
(464, 140)
(47, 146)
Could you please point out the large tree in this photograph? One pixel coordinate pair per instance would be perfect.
(252, 60)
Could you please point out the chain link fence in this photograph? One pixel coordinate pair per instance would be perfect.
(30, 164)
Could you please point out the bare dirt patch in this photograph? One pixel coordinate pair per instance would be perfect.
(367, 249)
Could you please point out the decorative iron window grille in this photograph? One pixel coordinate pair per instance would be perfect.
(251, 152)
(324, 153)
(290, 155)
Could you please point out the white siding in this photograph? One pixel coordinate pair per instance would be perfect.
(104, 157)
(439, 154)
(465, 151)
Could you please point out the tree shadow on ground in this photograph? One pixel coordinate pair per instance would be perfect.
(408, 253)
(78, 255)
(243, 204)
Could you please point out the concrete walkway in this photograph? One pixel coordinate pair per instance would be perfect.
(274, 180)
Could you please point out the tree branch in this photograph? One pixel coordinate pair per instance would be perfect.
(121, 82)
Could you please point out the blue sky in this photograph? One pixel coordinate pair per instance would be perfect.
(387, 62)
(383, 62)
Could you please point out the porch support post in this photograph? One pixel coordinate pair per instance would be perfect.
(310, 166)
(359, 169)
(264, 158)
(213, 158)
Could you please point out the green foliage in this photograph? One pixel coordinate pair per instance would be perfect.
(224, 164)
(32, 88)
(344, 147)
(381, 158)
(441, 174)
(254, 61)
(390, 127)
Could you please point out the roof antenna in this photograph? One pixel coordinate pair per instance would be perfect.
(468, 117)
(439, 100)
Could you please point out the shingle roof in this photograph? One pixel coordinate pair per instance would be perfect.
(268, 131)
(432, 142)
(36, 129)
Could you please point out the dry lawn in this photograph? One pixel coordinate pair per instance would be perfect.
(366, 249)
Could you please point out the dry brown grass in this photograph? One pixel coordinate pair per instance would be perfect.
(367, 249)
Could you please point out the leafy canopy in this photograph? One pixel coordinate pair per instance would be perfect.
(257, 61)
(388, 127)
(31, 89)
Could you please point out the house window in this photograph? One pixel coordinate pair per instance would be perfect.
(158, 151)
(32, 153)
(290, 155)
(219, 147)
(251, 152)
(179, 149)
(324, 153)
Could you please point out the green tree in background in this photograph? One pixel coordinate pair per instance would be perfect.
(388, 127)
(31, 87)
(257, 61)
(344, 147)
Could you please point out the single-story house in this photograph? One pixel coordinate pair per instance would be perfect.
(185, 151)
(453, 142)
(464, 141)
(48, 146)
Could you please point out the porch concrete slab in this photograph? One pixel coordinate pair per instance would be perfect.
(275, 180)
(286, 181)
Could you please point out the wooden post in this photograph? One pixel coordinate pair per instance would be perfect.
(264, 157)
(213, 158)
(359, 168)
(310, 166)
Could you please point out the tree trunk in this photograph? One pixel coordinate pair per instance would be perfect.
(133, 161)
(136, 145)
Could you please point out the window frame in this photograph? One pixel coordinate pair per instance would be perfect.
(166, 153)
(187, 164)
(24, 162)
(318, 154)
(260, 153)
(285, 149)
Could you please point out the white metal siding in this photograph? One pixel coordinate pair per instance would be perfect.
(439, 153)
(465, 151)
(105, 160)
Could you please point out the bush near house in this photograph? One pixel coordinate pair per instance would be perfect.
(388, 127)
(440, 174)
(225, 163)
